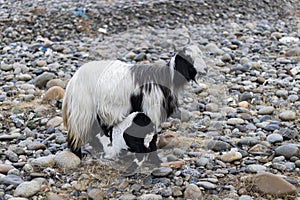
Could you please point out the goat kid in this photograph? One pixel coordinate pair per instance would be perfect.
(136, 134)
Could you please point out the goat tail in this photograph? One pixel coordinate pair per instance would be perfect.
(78, 112)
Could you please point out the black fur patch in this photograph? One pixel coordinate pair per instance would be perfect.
(169, 102)
(136, 102)
(185, 69)
(134, 135)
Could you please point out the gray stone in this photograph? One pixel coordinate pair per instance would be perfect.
(161, 172)
(41, 80)
(27, 189)
(150, 197)
(255, 168)
(214, 49)
(96, 194)
(235, 121)
(245, 197)
(207, 185)
(67, 160)
(6, 67)
(45, 161)
(249, 141)
(192, 192)
(217, 145)
(268, 183)
(274, 137)
(287, 115)
(212, 107)
(11, 179)
(226, 58)
(202, 161)
(287, 150)
(266, 110)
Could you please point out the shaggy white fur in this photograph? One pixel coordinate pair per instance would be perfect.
(105, 92)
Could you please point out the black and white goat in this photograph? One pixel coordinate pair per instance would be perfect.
(136, 134)
(105, 92)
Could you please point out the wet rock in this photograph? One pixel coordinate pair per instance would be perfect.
(267, 183)
(249, 141)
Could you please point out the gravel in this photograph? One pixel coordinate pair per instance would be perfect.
(240, 121)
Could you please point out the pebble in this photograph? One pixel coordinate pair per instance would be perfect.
(66, 160)
(217, 145)
(168, 140)
(162, 171)
(267, 183)
(192, 192)
(54, 93)
(232, 156)
(55, 197)
(43, 162)
(41, 80)
(287, 115)
(266, 110)
(55, 121)
(207, 185)
(287, 150)
(56, 82)
(150, 197)
(96, 194)
(36, 146)
(27, 189)
(4, 168)
(274, 137)
(11, 179)
(235, 121)
(255, 168)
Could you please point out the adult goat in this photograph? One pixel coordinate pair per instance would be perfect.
(105, 92)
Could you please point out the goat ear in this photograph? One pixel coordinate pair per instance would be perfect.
(141, 119)
(184, 66)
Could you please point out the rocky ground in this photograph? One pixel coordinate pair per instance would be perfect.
(236, 135)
